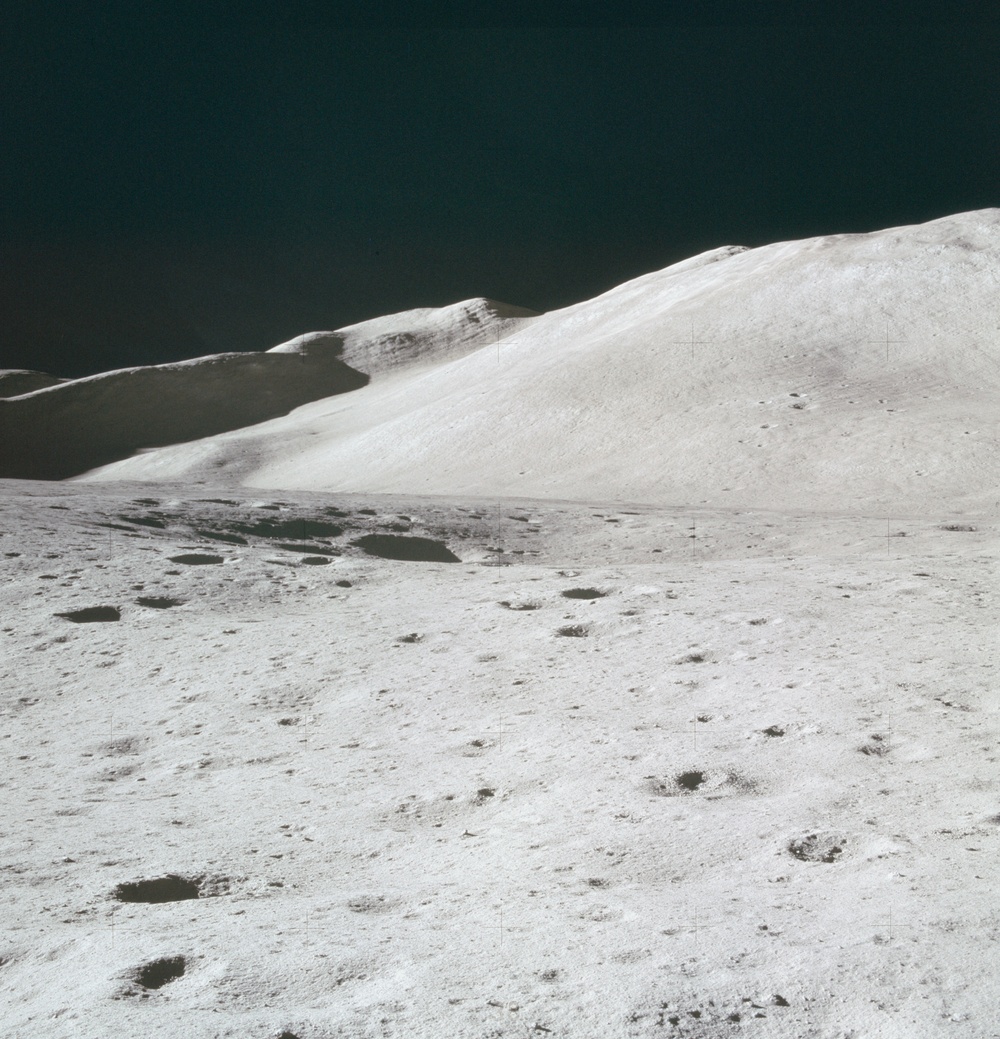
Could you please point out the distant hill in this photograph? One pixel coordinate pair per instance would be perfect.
(15, 381)
(846, 372)
(60, 428)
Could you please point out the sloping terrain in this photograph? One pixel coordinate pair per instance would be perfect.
(15, 381)
(414, 337)
(76, 425)
(850, 371)
(64, 430)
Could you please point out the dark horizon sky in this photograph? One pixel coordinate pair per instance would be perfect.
(179, 180)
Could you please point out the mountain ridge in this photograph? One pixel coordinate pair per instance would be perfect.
(851, 371)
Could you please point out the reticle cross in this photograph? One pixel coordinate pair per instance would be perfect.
(691, 341)
(887, 342)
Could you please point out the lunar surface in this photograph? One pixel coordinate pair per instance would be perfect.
(625, 671)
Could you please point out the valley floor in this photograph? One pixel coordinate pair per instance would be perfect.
(616, 771)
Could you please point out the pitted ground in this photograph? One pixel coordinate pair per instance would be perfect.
(446, 818)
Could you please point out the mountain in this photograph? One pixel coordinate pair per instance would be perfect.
(855, 372)
(75, 425)
(15, 381)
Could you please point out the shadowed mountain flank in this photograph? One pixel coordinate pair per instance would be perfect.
(14, 382)
(64, 430)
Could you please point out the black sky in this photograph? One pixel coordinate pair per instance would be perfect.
(183, 179)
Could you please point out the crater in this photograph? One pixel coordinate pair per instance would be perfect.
(712, 783)
(145, 521)
(690, 780)
(171, 887)
(692, 658)
(818, 847)
(316, 550)
(522, 605)
(159, 602)
(292, 529)
(583, 593)
(157, 973)
(876, 747)
(965, 528)
(371, 904)
(197, 559)
(407, 548)
(92, 615)
(573, 631)
(221, 535)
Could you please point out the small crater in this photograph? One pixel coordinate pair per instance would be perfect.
(344, 584)
(316, 561)
(158, 602)
(122, 746)
(573, 631)
(692, 658)
(583, 593)
(169, 888)
(520, 606)
(373, 904)
(412, 637)
(773, 730)
(758, 620)
(876, 747)
(145, 521)
(172, 887)
(410, 549)
(221, 535)
(965, 528)
(157, 973)
(292, 529)
(818, 847)
(197, 559)
(690, 780)
(714, 784)
(92, 615)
